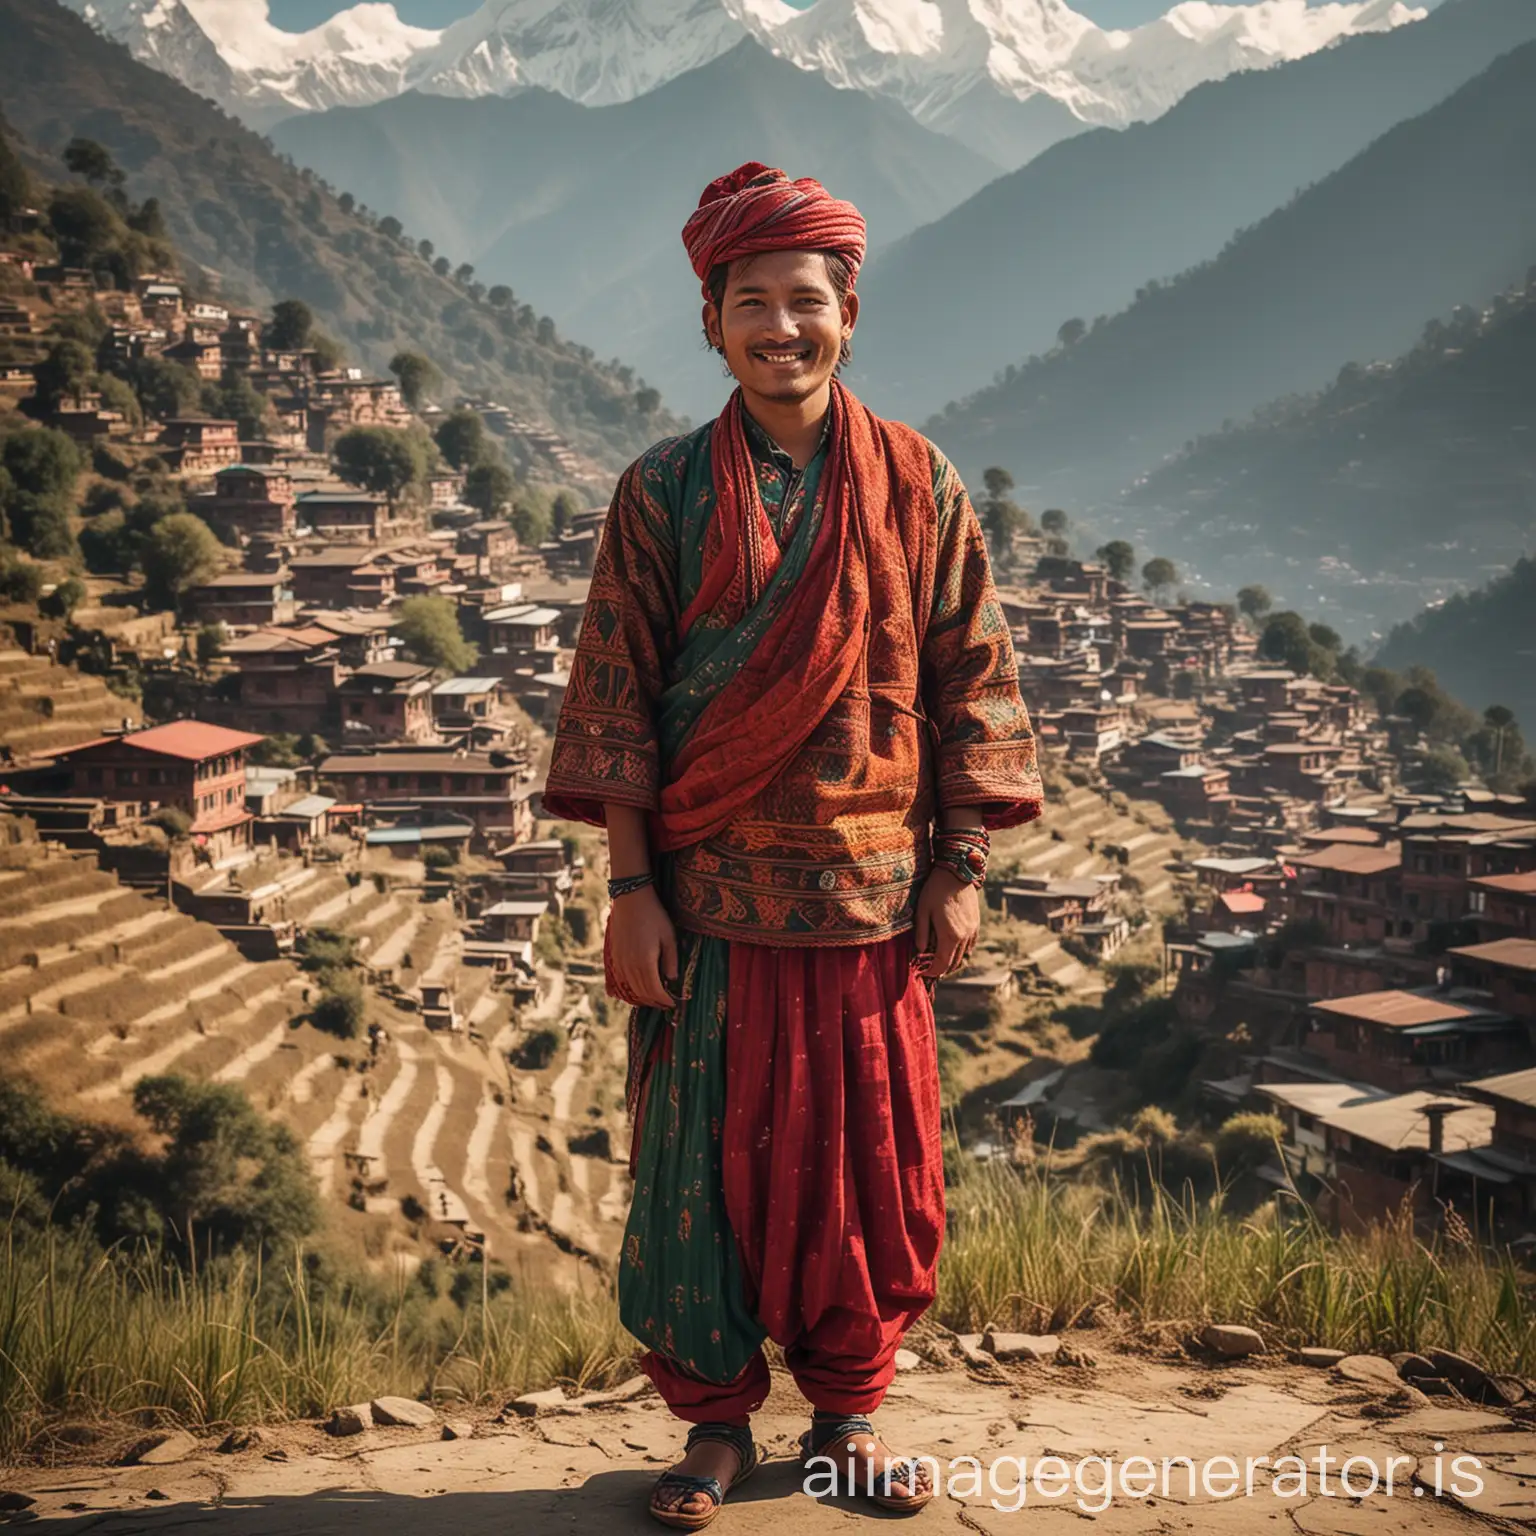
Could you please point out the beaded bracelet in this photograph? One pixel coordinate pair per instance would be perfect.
(963, 852)
(625, 884)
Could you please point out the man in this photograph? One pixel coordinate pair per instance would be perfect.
(795, 708)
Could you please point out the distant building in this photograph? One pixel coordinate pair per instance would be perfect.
(243, 600)
(200, 444)
(198, 768)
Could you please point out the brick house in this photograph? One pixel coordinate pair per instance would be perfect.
(358, 515)
(204, 357)
(1058, 904)
(461, 703)
(1512, 1150)
(1351, 890)
(1400, 1040)
(387, 701)
(286, 679)
(196, 767)
(342, 578)
(1505, 905)
(197, 445)
(247, 500)
(519, 632)
(244, 600)
(486, 787)
(1382, 1152)
(1506, 970)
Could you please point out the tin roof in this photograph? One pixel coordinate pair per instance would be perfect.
(1510, 954)
(1397, 1009)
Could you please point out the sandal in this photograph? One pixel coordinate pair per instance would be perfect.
(748, 1454)
(905, 1469)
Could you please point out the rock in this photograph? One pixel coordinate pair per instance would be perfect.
(13, 1502)
(247, 1439)
(1411, 1366)
(156, 1494)
(457, 1429)
(969, 1345)
(160, 1449)
(1316, 1355)
(403, 1412)
(1232, 1340)
(279, 1454)
(1368, 1371)
(551, 1399)
(634, 1387)
(1473, 1382)
(1401, 1399)
(350, 1420)
(1435, 1386)
(1511, 1388)
(906, 1360)
(1020, 1346)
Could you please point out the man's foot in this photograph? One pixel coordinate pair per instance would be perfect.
(868, 1455)
(718, 1459)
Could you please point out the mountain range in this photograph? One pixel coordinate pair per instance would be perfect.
(1410, 472)
(1438, 211)
(1079, 230)
(255, 228)
(1007, 78)
(584, 221)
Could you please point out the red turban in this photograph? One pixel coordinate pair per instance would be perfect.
(758, 209)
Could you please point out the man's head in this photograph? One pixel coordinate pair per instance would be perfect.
(777, 260)
(782, 320)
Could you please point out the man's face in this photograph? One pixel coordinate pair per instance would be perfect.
(780, 324)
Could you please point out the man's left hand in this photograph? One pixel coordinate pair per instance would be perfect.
(948, 920)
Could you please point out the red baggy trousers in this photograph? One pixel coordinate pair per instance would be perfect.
(833, 1170)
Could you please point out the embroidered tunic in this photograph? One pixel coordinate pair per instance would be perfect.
(834, 848)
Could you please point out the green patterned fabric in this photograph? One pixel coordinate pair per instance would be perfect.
(680, 1281)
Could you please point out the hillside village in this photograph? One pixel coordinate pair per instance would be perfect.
(274, 707)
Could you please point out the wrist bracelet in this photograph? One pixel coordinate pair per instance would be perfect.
(963, 852)
(625, 884)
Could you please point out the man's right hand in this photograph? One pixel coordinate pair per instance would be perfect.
(642, 949)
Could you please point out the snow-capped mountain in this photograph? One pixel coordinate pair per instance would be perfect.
(965, 67)
(230, 50)
(930, 53)
(593, 51)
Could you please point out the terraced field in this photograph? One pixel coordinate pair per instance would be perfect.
(101, 985)
(44, 706)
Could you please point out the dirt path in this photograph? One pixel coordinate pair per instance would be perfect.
(591, 1470)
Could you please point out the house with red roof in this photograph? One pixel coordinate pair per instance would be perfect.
(1422, 1037)
(198, 768)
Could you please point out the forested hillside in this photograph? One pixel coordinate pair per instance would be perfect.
(262, 229)
(1074, 233)
(1482, 644)
(1440, 211)
(1435, 450)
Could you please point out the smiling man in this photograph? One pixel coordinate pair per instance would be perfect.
(795, 708)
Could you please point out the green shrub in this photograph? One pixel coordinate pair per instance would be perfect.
(537, 1049)
(326, 949)
(341, 1009)
(171, 820)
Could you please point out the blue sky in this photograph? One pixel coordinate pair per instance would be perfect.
(298, 15)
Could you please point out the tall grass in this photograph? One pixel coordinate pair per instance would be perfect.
(1029, 1250)
(88, 1333)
